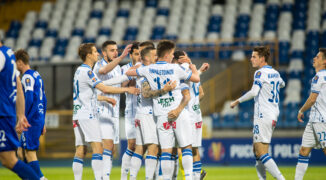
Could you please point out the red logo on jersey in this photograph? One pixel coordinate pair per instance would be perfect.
(75, 123)
(198, 124)
(137, 122)
(274, 123)
(174, 124)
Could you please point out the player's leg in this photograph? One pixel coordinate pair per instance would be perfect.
(97, 163)
(33, 162)
(197, 163)
(260, 168)
(175, 163)
(261, 151)
(136, 161)
(9, 160)
(131, 137)
(78, 162)
(151, 160)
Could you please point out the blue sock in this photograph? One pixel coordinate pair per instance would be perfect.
(197, 167)
(24, 171)
(35, 165)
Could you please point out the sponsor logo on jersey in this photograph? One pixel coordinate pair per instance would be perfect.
(258, 74)
(76, 108)
(196, 108)
(165, 102)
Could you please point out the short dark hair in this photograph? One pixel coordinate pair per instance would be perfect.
(146, 51)
(147, 44)
(323, 51)
(134, 46)
(84, 49)
(163, 47)
(22, 55)
(109, 42)
(263, 51)
(177, 54)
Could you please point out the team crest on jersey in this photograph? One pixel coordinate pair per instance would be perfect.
(315, 79)
(90, 74)
(28, 82)
(258, 74)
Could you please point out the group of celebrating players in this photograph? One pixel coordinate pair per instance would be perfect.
(162, 115)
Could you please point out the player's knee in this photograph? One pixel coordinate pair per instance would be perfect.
(132, 145)
(81, 151)
(324, 151)
(304, 151)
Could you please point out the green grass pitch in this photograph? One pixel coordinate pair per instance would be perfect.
(213, 173)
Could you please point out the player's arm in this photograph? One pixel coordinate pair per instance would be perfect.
(107, 68)
(111, 101)
(204, 67)
(194, 76)
(249, 95)
(147, 92)
(116, 80)
(173, 115)
(22, 124)
(116, 90)
(201, 92)
(307, 105)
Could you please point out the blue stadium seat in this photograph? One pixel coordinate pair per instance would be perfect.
(96, 14)
(287, 7)
(15, 25)
(151, 3)
(35, 42)
(123, 13)
(245, 119)
(171, 37)
(12, 33)
(229, 121)
(78, 32)
(225, 54)
(163, 11)
(51, 33)
(216, 120)
(214, 24)
(131, 34)
(105, 31)
(59, 50)
(89, 40)
(41, 24)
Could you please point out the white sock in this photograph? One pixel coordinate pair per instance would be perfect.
(97, 165)
(271, 166)
(107, 164)
(302, 167)
(125, 164)
(77, 168)
(261, 170)
(136, 161)
(158, 170)
(175, 159)
(187, 160)
(196, 170)
(166, 165)
(150, 166)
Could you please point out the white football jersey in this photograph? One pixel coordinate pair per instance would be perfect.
(144, 105)
(318, 85)
(267, 100)
(84, 95)
(131, 100)
(104, 106)
(158, 75)
(194, 104)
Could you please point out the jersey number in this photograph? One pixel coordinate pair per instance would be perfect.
(2, 136)
(157, 80)
(275, 92)
(76, 90)
(196, 89)
(320, 134)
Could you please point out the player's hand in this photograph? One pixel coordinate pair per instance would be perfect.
(132, 83)
(173, 115)
(204, 67)
(133, 90)
(135, 67)
(126, 50)
(44, 130)
(300, 116)
(192, 67)
(22, 124)
(184, 59)
(169, 86)
(111, 101)
(234, 103)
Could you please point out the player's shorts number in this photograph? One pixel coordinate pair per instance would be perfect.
(2, 136)
(322, 136)
(256, 129)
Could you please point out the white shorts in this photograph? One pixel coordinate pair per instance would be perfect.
(110, 128)
(86, 131)
(263, 130)
(130, 127)
(197, 132)
(179, 130)
(146, 132)
(314, 135)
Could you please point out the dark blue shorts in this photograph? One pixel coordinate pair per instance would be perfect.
(30, 139)
(8, 136)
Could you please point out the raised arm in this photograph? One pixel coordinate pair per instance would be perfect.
(107, 68)
(147, 92)
(195, 76)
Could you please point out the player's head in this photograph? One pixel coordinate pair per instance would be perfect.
(319, 62)
(148, 55)
(165, 50)
(134, 52)
(109, 50)
(145, 44)
(177, 55)
(22, 59)
(88, 52)
(260, 56)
